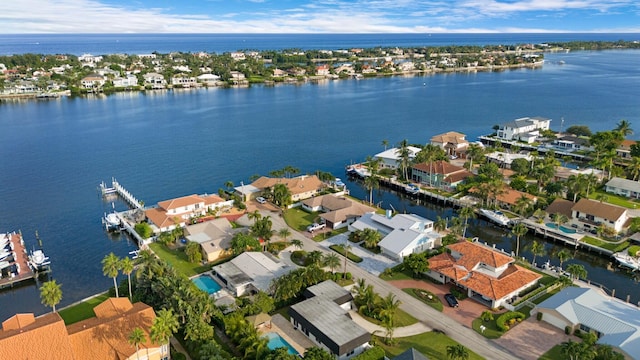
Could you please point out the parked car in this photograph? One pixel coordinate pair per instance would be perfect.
(315, 226)
(261, 200)
(338, 182)
(451, 300)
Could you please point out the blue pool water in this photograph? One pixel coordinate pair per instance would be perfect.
(206, 283)
(564, 229)
(276, 341)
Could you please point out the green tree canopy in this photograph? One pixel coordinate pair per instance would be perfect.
(51, 294)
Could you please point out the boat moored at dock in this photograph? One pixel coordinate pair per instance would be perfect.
(495, 216)
(628, 261)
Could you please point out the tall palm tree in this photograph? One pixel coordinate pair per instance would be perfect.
(229, 185)
(457, 352)
(332, 261)
(284, 233)
(518, 230)
(576, 184)
(634, 167)
(297, 243)
(466, 213)
(474, 151)
(540, 214)
(404, 155)
(537, 249)
(440, 224)
(347, 248)
(110, 268)
(51, 294)
(126, 265)
(624, 128)
(563, 255)
(388, 306)
(373, 180)
(136, 337)
(522, 205)
(559, 219)
(254, 215)
(389, 326)
(385, 143)
(577, 271)
(164, 326)
(314, 258)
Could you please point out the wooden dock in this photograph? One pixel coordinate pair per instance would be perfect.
(18, 270)
(135, 204)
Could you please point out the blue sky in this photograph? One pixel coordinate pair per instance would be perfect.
(318, 16)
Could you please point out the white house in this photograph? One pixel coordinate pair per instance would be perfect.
(209, 79)
(488, 275)
(129, 81)
(154, 80)
(390, 158)
(454, 143)
(177, 212)
(324, 318)
(614, 322)
(623, 187)
(524, 129)
(184, 81)
(250, 272)
(403, 234)
(593, 213)
(93, 80)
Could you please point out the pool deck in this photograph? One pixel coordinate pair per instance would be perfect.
(285, 329)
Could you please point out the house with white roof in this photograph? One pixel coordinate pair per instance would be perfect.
(623, 187)
(324, 318)
(154, 80)
(614, 322)
(504, 159)
(250, 272)
(403, 234)
(184, 81)
(524, 129)
(390, 158)
(129, 81)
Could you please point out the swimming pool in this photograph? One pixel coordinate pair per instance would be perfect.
(207, 284)
(276, 341)
(564, 229)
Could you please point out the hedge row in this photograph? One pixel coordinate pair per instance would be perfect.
(508, 319)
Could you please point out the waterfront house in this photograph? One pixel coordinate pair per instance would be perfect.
(504, 160)
(524, 129)
(402, 234)
(322, 70)
(489, 276)
(624, 150)
(337, 212)
(301, 187)
(560, 206)
(324, 318)
(88, 58)
(570, 143)
(154, 80)
(128, 81)
(184, 81)
(93, 81)
(453, 143)
(250, 272)
(237, 76)
(179, 211)
(208, 79)
(103, 337)
(390, 158)
(623, 187)
(439, 174)
(613, 321)
(507, 198)
(214, 236)
(590, 213)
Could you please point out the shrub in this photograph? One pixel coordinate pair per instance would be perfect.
(633, 250)
(459, 294)
(539, 316)
(567, 330)
(504, 321)
(349, 276)
(373, 353)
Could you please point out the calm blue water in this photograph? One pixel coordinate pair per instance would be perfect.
(206, 283)
(161, 145)
(276, 341)
(219, 43)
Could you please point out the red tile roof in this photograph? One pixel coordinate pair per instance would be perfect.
(439, 167)
(180, 202)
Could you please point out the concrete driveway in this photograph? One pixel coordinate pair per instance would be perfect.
(532, 338)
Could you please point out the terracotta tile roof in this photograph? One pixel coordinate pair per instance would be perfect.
(511, 196)
(626, 144)
(159, 217)
(43, 338)
(212, 199)
(297, 185)
(512, 279)
(180, 202)
(473, 254)
(439, 167)
(561, 206)
(598, 209)
(459, 176)
(112, 307)
(450, 137)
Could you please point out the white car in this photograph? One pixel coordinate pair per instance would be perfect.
(261, 200)
(315, 226)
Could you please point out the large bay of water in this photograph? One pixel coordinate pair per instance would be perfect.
(167, 144)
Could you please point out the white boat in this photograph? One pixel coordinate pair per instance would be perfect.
(5, 254)
(412, 189)
(38, 261)
(627, 260)
(496, 216)
(111, 221)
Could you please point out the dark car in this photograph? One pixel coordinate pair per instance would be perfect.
(451, 300)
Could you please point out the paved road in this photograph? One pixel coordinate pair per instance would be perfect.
(424, 313)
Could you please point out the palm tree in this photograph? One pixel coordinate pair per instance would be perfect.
(314, 258)
(624, 128)
(389, 326)
(576, 184)
(297, 243)
(284, 233)
(466, 213)
(577, 271)
(440, 224)
(332, 261)
(540, 215)
(518, 230)
(474, 151)
(346, 248)
(634, 167)
(137, 337)
(385, 143)
(164, 326)
(229, 185)
(370, 238)
(563, 255)
(536, 249)
(254, 215)
(388, 307)
(126, 265)
(51, 294)
(110, 268)
(457, 352)
(522, 205)
(559, 219)
(373, 180)
(404, 154)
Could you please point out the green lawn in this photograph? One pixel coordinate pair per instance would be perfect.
(397, 273)
(299, 219)
(402, 318)
(434, 302)
(555, 353)
(340, 250)
(82, 311)
(614, 199)
(491, 331)
(432, 344)
(178, 259)
(605, 244)
(325, 235)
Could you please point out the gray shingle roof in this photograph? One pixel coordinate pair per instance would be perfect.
(624, 184)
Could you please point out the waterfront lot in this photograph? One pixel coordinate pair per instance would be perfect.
(178, 259)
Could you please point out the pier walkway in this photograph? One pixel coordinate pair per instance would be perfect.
(19, 260)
